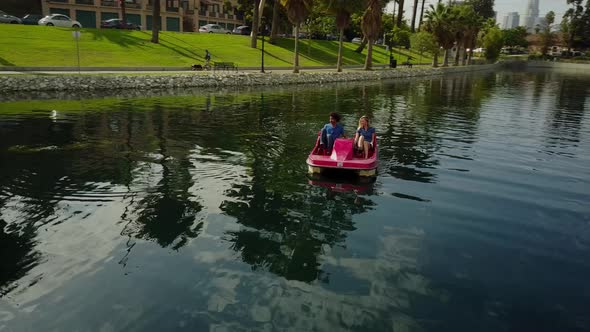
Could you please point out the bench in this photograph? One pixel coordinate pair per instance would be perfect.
(407, 64)
(224, 66)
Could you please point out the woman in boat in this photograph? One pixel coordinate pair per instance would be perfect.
(363, 139)
(331, 132)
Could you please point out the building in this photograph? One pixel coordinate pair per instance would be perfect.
(531, 15)
(511, 21)
(175, 15)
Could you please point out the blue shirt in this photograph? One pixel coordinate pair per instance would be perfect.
(367, 134)
(334, 132)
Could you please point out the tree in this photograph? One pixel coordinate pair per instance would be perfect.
(123, 13)
(515, 37)
(276, 7)
(484, 8)
(438, 24)
(371, 27)
(493, 42)
(297, 11)
(156, 22)
(400, 37)
(414, 13)
(255, 15)
(546, 35)
(572, 24)
(421, 15)
(342, 10)
(423, 42)
(400, 12)
(473, 24)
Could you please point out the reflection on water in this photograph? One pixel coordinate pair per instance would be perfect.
(193, 210)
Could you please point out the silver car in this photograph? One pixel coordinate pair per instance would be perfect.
(5, 18)
(213, 28)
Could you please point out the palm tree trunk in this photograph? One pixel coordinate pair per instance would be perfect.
(275, 22)
(435, 60)
(446, 58)
(369, 58)
(466, 45)
(469, 56)
(362, 45)
(341, 41)
(457, 54)
(400, 13)
(156, 22)
(254, 33)
(296, 60)
(421, 15)
(260, 11)
(123, 13)
(414, 16)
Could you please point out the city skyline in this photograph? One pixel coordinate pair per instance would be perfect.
(502, 8)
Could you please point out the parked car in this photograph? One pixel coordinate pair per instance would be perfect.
(6, 18)
(31, 19)
(213, 28)
(59, 20)
(115, 23)
(242, 30)
(357, 40)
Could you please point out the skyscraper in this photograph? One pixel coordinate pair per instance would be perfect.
(511, 20)
(531, 15)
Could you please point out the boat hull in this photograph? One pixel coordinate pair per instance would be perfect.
(343, 157)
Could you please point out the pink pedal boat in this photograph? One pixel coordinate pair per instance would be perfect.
(343, 156)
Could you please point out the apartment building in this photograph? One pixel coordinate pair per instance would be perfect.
(175, 15)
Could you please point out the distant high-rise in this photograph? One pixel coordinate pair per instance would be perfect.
(531, 15)
(511, 21)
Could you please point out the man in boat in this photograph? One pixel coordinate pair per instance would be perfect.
(331, 132)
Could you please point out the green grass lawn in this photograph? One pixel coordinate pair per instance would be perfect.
(24, 45)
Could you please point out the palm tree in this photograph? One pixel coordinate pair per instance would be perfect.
(123, 13)
(156, 22)
(371, 26)
(255, 23)
(437, 23)
(400, 13)
(413, 26)
(297, 11)
(343, 10)
(472, 24)
(275, 21)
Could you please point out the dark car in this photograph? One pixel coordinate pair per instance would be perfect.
(31, 19)
(242, 30)
(115, 23)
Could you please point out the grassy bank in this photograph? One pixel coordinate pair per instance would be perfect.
(37, 46)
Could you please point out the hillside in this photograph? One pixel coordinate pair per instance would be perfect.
(51, 46)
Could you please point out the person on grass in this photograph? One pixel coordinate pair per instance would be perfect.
(363, 139)
(331, 132)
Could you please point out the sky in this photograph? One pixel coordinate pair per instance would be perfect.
(501, 6)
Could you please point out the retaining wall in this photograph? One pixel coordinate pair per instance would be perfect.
(73, 82)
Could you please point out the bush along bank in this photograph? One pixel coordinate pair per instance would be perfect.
(71, 82)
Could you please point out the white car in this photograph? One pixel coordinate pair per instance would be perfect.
(59, 20)
(213, 28)
(357, 40)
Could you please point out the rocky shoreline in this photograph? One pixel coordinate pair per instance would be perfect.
(72, 82)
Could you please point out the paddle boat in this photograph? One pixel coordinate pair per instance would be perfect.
(343, 156)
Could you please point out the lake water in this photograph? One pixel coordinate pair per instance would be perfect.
(192, 210)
